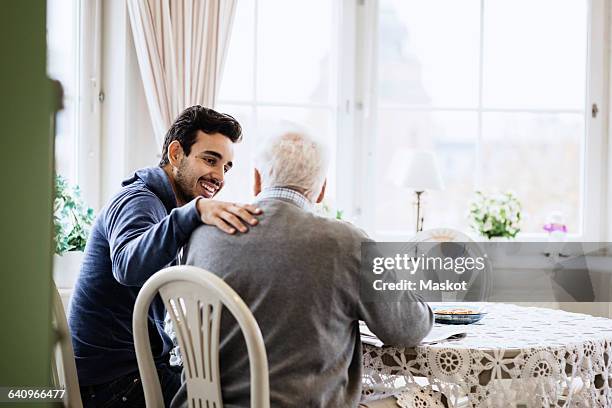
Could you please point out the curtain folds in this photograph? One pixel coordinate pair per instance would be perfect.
(181, 47)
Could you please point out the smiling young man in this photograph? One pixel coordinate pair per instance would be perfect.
(139, 232)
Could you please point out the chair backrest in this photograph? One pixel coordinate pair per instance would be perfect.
(441, 235)
(482, 280)
(194, 299)
(63, 367)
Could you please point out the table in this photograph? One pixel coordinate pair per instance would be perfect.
(514, 357)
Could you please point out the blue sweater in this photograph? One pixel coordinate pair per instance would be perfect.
(139, 232)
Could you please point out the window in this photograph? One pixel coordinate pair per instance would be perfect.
(73, 57)
(280, 66)
(498, 90)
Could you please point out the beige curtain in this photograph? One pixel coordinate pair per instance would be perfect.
(181, 46)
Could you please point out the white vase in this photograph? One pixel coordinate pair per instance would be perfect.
(66, 269)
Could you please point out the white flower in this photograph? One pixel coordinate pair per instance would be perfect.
(490, 212)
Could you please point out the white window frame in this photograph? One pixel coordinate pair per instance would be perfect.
(363, 144)
(348, 112)
(596, 157)
(89, 103)
(85, 147)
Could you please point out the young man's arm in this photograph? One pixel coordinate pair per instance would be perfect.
(143, 239)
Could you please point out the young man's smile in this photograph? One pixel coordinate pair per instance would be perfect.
(202, 171)
(209, 187)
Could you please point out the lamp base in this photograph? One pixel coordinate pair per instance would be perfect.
(419, 217)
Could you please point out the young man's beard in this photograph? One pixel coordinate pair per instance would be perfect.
(181, 184)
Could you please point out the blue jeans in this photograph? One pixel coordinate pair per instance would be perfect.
(127, 391)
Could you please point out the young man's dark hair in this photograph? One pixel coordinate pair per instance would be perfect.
(186, 126)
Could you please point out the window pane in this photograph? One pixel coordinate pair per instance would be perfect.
(535, 54)
(62, 65)
(452, 137)
(294, 50)
(320, 122)
(239, 180)
(428, 52)
(538, 156)
(237, 81)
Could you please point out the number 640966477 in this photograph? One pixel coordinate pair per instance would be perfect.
(35, 393)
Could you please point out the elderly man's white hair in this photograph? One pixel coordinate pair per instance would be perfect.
(292, 158)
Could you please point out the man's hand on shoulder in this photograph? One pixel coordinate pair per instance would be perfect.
(228, 217)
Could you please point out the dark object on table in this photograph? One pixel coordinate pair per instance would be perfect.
(457, 315)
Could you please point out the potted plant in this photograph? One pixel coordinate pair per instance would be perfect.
(72, 220)
(495, 216)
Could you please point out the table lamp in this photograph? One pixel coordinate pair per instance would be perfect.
(417, 170)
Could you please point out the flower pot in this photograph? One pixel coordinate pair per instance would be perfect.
(66, 269)
(500, 239)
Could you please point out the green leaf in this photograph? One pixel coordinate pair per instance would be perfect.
(72, 219)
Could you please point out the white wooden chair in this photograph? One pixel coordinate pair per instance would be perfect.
(63, 367)
(441, 235)
(471, 248)
(194, 299)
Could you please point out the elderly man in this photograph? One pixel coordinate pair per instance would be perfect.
(299, 274)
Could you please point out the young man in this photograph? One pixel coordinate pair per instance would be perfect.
(135, 235)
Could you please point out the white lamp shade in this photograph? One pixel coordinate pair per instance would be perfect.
(415, 169)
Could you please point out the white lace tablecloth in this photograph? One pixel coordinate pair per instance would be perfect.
(514, 357)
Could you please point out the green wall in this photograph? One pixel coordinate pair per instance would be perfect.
(26, 149)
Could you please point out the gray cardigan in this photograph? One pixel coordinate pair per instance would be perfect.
(299, 274)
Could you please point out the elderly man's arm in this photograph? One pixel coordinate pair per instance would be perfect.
(402, 323)
(400, 318)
